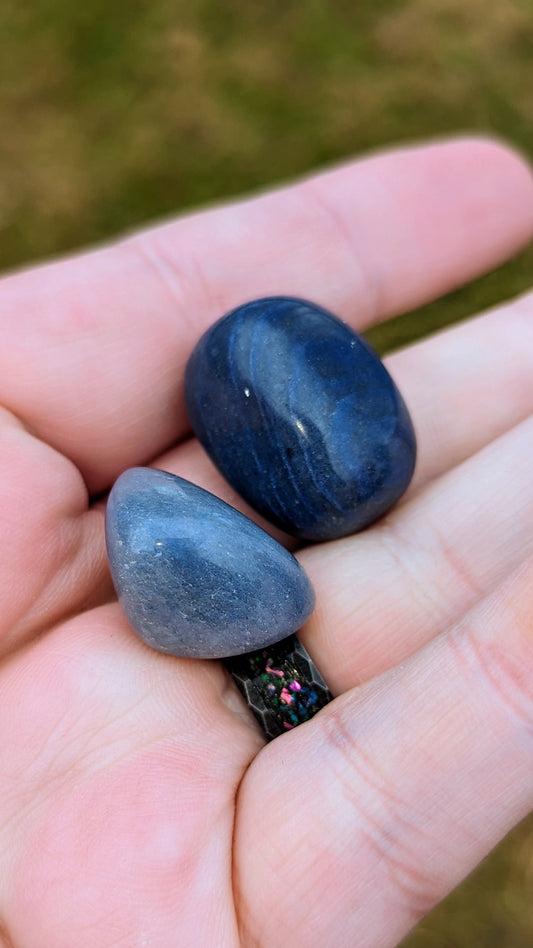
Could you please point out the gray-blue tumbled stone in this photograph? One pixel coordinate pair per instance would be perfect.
(194, 576)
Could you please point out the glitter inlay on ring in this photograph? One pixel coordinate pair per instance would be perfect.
(280, 684)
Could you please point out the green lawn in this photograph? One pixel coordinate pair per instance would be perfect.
(113, 114)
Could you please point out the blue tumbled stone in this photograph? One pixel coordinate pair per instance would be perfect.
(194, 576)
(301, 417)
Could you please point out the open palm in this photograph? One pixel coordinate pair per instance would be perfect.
(138, 803)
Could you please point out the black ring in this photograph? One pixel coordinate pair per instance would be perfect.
(280, 684)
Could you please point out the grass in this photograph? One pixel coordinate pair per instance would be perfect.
(115, 114)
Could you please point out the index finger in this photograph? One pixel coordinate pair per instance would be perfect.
(94, 348)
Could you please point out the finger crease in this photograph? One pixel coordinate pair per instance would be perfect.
(372, 291)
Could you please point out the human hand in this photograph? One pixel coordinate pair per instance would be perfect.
(138, 805)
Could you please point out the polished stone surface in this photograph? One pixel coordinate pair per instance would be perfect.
(194, 576)
(301, 417)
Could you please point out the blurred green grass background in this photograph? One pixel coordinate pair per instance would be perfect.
(116, 114)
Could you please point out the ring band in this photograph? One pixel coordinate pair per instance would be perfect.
(280, 684)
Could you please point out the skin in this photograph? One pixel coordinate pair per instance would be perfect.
(139, 806)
